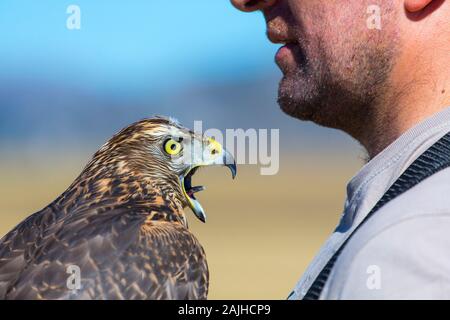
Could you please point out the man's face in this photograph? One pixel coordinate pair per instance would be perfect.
(335, 67)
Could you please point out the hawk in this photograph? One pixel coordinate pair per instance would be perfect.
(119, 231)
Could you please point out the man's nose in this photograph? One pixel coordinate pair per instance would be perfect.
(252, 5)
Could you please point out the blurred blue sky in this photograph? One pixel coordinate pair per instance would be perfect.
(133, 45)
(193, 60)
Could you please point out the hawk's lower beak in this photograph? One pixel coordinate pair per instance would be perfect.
(222, 159)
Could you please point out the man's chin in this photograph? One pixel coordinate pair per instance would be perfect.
(296, 111)
(335, 107)
(295, 102)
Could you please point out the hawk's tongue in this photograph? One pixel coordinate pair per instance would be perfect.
(197, 189)
(194, 190)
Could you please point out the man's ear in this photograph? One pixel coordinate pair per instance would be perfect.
(416, 5)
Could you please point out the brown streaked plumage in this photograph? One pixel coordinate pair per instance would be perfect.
(121, 222)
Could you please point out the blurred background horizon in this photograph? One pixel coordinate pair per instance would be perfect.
(64, 92)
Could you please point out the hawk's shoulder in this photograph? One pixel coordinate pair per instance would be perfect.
(120, 253)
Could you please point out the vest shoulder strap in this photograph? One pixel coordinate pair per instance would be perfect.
(434, 159)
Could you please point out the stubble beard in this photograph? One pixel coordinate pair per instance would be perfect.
(323, 90)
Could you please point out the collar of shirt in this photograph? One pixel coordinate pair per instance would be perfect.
(371, 182)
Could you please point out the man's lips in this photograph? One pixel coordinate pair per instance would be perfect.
(291, 55)
(279, 34)
(285, 56)
(285, 51)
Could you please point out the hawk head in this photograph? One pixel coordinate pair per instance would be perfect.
(162, 153)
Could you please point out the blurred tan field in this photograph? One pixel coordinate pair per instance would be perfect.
(261, 231)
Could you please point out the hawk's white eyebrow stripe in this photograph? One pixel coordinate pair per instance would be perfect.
(163, 131)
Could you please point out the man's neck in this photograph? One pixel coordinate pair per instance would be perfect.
(411, 98)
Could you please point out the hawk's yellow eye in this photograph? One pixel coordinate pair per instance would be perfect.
(172, 147)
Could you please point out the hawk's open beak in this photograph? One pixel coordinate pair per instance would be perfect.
(215, 155)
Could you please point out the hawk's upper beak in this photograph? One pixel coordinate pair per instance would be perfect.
(227, 160)
(213, 154)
